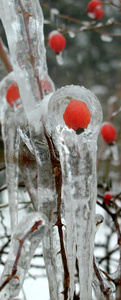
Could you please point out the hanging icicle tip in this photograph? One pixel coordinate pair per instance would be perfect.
(77, 116)
(12, 93)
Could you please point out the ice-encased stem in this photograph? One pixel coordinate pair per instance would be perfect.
(79, 184)
(11, 145)
(102, 287)
(25, 240)
(23, 23)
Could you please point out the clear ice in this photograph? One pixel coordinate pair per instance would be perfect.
(78, 162)
(11, 148)
(25, 240)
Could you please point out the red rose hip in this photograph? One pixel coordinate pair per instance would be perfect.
(57, 42)
(77, 115)
(108, 132)
(99, 13)
(108, 196)
(12, 93)
(92, 5)
(94, 9)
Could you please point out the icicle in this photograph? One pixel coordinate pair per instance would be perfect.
(26, 42)
(26, 238)
(24, 32)
(53, 263)
(11, 144)
(80, 161)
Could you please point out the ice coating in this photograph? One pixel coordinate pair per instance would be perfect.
(11, 146)
(53, 263)
(26, 43)
(101, 285)
(23, 22)
(78, 162)
(26, 238)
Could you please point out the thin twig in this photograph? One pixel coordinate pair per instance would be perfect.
(56, 167)
(4, 56)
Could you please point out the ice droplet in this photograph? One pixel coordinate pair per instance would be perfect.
(53, 12)
(71, 34)
(59, 59)
(106, 38)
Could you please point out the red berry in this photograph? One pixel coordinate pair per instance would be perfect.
(108, 132)
(99, 13)
(94, 9)
(77, 115)
(57, 42)
(94, 4)
(12, 93)
(108, 197)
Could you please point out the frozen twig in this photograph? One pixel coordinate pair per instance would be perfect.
(5, 57)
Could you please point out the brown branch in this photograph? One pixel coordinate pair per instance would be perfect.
(21, 242)
(108, 255)
(56, 167)
(104, 290)
(4, 56)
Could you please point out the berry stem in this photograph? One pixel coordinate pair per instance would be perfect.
(55, 162)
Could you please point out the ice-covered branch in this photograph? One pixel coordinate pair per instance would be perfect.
(23, 22)
(11, 146)
(26, 238)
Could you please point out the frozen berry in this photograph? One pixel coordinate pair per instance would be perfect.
(12, 93)
(108, 132)
(57, 42)
(94, 9)
(77, 115)
(99, 13)
(108, 196)
(92, 5)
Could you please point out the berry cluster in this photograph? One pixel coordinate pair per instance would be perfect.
(94, 9)
(57, 41)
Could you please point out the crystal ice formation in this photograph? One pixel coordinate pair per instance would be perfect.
(25, 240)
(78, 163)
